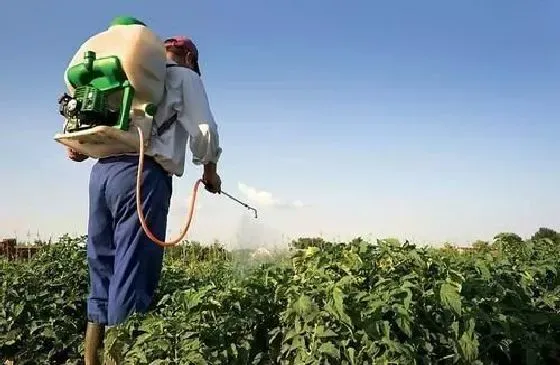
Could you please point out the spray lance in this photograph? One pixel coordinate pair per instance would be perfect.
(240, 202)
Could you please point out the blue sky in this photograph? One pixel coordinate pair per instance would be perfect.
(430, 120)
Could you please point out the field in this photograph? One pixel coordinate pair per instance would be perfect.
(320, 303)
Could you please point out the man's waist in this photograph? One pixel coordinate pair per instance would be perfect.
(125, 157)
(168, 156)
(131, 158)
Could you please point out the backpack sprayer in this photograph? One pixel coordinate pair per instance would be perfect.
(115, 80)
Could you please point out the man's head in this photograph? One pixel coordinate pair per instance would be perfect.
(183, 51)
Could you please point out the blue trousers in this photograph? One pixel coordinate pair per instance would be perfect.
(124, 264)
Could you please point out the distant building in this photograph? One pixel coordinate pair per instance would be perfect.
(8, 248)
(11, 250)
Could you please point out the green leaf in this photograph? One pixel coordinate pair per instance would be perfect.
(483, 269)
(468, 342)
(450, 297)
(404, 324)
(329, 348)
(303, 305)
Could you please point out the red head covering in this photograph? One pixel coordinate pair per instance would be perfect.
(182, 43)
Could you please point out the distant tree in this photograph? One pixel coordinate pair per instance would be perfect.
(512, 244)
(196, 251)
(304, 242)
(480, 245)
(507, 238)
(395, 242)
(356, 241)
(217, 245)
(544, 232)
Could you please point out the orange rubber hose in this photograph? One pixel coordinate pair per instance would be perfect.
(188, 221)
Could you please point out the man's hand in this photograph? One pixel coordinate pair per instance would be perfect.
(211, 179)
(75, 156)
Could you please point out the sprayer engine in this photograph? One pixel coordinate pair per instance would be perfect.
(88, 108)
(99, 85)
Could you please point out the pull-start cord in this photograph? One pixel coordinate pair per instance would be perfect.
(191, 204)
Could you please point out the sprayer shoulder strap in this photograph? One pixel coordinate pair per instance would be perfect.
(169, 122)
(166, 125)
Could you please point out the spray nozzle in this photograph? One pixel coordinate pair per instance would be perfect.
(240, 202)
(209, 188)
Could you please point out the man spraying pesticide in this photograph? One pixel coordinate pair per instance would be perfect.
(119, 79)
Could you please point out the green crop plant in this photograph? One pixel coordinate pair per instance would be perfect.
(322, 302)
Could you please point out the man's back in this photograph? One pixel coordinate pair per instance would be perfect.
(185, 98)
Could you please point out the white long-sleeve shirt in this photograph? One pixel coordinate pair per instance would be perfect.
(185, 95)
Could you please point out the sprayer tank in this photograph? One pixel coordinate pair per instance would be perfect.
(120, 70)
(141, 54)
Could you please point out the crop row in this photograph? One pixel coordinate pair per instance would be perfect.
(323, 303)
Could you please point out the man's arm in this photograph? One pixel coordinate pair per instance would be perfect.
(196, 117)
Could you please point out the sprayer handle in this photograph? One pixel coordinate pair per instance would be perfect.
(209, 187)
